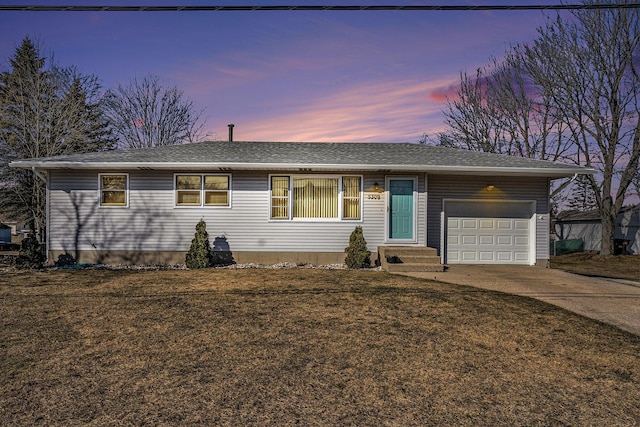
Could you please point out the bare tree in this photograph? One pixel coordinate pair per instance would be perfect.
(590, 67)
(145, 113)
(474, 119)
(635, 185)
(499, 110)
(571, 95)
(44, 111)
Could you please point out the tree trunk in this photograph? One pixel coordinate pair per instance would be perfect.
(608, 228)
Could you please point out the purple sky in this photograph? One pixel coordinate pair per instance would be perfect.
(286, 76)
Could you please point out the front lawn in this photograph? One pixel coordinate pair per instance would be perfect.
(591, 264)
(300, 346)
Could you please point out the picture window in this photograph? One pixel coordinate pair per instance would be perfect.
(316, 197)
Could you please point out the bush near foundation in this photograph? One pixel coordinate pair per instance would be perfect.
(30, 255)
(358, 256)
(199, 255)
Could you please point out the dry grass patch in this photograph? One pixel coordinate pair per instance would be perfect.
(283, 347)
(592, 264)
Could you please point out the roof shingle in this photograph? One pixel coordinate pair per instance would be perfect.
(312, 155)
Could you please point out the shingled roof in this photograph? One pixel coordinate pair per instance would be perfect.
(308, 156)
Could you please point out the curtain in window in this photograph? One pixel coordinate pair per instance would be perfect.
(351, 197)
(315, 198)
(280, 197)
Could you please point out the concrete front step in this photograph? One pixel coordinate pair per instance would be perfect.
(413, 268)
(407, 251)
(409, 258)
(413, 259)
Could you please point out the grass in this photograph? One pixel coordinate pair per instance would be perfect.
(592, 264)
(299, 346)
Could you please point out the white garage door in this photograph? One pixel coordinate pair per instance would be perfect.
(488, 240)
(489, 231)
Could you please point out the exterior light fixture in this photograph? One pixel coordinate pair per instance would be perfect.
(376, 187)
(490, 187)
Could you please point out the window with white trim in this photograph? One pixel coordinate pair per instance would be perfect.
(280, 197)
(351, 191)
(316, 197)
(202, 189)
(113, 189)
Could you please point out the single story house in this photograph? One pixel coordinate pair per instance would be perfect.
(271, 202)
(587, 226)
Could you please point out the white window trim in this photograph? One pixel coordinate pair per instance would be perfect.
(126, 191)
(339, 177)
(202, 191)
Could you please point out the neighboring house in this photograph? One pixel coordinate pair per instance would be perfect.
(17, 229)
(280, 201)
(587, 227)
(5, 233)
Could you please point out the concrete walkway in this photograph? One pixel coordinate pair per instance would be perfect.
(613, 302)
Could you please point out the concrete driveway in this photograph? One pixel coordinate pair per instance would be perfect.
(613, 302)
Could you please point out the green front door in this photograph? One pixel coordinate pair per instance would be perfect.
(401, 208)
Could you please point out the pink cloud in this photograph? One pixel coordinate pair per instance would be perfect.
(443, 93)
(374, 111)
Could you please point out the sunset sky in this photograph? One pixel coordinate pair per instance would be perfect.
(286, 76)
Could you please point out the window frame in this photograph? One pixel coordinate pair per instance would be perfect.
(344, 198)
(202, 191)
(126, 190)
(341, 199)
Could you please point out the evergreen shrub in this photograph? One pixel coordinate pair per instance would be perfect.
(199, 255)
(358, 256)
(30, 255)
(65, 259)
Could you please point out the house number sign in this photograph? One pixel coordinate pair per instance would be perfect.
(374, 196)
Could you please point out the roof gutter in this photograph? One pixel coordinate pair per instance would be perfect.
(306, 167)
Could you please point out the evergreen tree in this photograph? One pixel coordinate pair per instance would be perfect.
(582, 198)
(30, 255)
(358, 256)
(44, 111)
(199, 255)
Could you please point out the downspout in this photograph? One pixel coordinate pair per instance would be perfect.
(39, 174)
(45, 179)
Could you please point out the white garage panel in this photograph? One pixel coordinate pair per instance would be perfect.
(488, 241)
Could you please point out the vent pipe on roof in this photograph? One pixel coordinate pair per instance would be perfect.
(230, 132)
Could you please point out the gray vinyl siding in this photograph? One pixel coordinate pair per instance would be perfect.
(473, 187)
(153, 223)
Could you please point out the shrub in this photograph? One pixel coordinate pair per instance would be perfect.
(65, 259)
(30, 254)
(221, 252)
(199, 255)
(220, 258)
(358, 256)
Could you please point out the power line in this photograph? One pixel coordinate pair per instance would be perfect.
(193, 8)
